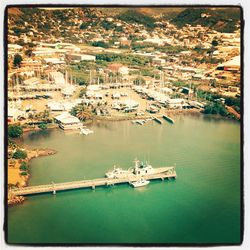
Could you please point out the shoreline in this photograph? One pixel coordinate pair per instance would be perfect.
(34, 153)
(31, 154)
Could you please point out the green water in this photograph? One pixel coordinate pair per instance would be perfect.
(201, 206)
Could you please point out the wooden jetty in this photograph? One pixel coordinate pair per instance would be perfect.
(167, 118)
(169, 172)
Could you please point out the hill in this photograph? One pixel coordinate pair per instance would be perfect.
(220, 19)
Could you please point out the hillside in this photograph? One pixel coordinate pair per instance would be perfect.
(220, 19)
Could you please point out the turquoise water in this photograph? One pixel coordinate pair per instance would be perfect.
(201, 206)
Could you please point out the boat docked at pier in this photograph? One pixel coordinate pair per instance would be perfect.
(118, 173)
(140, 169)
(140, 183)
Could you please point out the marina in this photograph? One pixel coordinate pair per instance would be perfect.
(91, 88)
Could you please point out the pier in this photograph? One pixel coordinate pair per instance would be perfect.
(169, 172)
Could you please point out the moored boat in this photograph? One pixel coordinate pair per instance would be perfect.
(140, 183)
(86, 131)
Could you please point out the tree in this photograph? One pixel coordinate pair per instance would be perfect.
(17, 60)
(81, 112)
(42, 126)
(24, 166)
(20, 154)
(15, 131)
(139, 81)
(28, 52)
(215, 43)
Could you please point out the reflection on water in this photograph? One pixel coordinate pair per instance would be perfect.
(39, 134)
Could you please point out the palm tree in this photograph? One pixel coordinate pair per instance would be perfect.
(83, 113)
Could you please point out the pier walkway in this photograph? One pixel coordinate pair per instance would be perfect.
(169, 172)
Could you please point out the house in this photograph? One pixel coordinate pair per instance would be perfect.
(232, 65)
(67, 121)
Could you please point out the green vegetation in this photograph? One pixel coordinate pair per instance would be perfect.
(131, 60)
(19, 154)
(107, 25)
(82, 112)
(146, 72)
(215, 43)
(42, 126)
(215, 108)
(28, 52)
(221, 19)
(139, 81)
(233, 102)
(85, 25)
(132, 16)
(17, 60)
(24, 166)
(24, 173)
(15, 131)
(100, 44)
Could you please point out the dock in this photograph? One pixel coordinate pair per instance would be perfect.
(167, 118)
(169, 173)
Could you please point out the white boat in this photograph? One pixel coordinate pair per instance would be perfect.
(118, 173)
(86, 131)
(141, 122)
(140, 183)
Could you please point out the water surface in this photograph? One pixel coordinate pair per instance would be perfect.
(201, 206)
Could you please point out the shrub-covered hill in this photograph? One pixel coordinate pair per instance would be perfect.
(220, 19)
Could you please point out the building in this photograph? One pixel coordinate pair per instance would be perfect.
(76, 57)
(232, 65)
(67, 121)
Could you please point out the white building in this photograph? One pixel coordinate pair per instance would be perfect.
(67, 121)
(76, 57)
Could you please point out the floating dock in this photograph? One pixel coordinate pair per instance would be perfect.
(167, 173)
(167, 118)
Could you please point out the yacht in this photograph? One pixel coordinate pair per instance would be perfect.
(140, 183)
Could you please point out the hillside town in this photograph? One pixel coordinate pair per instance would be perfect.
(70, 67)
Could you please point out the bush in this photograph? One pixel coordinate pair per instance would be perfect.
(17, 60)
(20, 154)
(100, 44)
(42, 126)
(15, 131)
(24, 173)
(24, 166)
(215, 108)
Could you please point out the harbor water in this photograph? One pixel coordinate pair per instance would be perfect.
(201, 206)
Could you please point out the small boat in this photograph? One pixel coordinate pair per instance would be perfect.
(140, 122)
(140, 183)
(86, 131)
